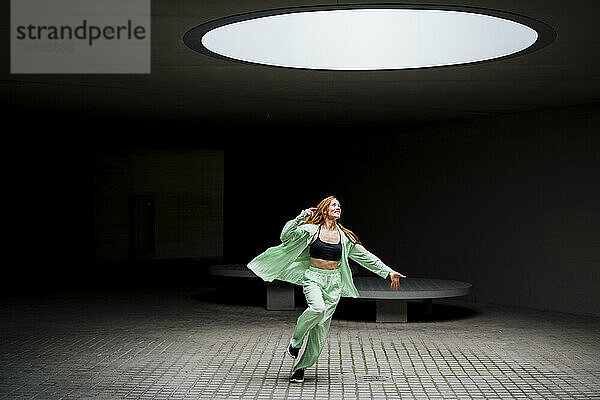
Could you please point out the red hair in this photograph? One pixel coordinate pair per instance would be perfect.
(318, 218)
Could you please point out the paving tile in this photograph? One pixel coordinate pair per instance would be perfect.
(176, 346)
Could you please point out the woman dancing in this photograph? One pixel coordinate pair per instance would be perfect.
(314, 253)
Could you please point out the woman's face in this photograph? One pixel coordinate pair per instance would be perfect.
(334, 210)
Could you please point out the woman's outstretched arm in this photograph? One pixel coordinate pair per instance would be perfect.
(371, 262)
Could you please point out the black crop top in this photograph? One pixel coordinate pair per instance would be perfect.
(326, 251)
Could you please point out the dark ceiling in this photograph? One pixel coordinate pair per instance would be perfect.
(185, 85)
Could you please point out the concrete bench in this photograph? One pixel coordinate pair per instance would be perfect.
(280, 295)
(391, 305)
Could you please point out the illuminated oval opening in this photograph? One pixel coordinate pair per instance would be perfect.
(369, 37)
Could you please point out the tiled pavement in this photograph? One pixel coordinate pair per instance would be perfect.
(196, 343)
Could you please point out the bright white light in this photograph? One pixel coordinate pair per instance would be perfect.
(369, 39)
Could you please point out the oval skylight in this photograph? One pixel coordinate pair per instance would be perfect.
(369, 37)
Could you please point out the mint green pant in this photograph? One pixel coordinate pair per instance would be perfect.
(322, 289)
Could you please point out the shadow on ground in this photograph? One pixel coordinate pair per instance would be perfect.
(226, 290)
(365, 310)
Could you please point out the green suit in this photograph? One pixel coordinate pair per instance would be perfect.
(290, 262)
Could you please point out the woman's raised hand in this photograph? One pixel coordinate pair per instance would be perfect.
(309, 211)
(395, 276)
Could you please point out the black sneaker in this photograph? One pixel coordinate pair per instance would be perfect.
(297, 376)
(292, 351)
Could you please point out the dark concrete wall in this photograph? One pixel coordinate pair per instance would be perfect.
(70, 181)
(509, 203)
(186, 187)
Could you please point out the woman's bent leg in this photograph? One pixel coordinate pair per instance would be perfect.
(317, 337)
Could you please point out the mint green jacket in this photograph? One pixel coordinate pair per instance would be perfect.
(288, 261)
